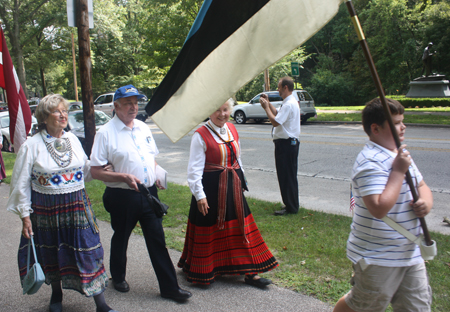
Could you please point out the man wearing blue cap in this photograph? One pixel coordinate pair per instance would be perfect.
(128, 145)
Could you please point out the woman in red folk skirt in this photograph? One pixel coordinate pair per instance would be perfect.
(222, 237)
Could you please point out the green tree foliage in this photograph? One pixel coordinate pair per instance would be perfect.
(136, 41)
(397, 31)
(280, 69)
(27, 23)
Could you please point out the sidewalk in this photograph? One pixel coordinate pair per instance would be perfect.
(226, 294)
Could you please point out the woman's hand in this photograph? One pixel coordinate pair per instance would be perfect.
(27, 229)
(203, 207)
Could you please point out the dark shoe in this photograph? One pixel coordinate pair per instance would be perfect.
(180, 295)
(281, 212)
(260, 282)
(56, 307)
(122, 286)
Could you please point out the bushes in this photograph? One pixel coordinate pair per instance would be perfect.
(420, 102)
(332, 89)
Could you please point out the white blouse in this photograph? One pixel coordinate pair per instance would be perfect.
(36, 170)
(197, 159)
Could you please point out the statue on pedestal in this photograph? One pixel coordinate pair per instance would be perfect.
(426, 59)
(431, 84)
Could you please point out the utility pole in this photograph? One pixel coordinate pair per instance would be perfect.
(84, 51)
(266, 80)
(74, 70)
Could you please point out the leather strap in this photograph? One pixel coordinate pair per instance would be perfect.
(31, 242)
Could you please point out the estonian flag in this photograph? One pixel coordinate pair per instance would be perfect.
(231, 42)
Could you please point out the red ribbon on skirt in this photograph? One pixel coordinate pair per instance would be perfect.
(237, 195)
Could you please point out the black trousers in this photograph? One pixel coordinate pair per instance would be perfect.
(126, 208)
(286, 162)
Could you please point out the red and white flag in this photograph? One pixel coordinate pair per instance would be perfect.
(19, 110)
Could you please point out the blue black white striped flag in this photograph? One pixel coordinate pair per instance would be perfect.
(229, 44)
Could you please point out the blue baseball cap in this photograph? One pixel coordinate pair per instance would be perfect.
(127, 91)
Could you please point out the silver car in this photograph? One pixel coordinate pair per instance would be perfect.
(105, 103)
(253, 110)
(4, 130)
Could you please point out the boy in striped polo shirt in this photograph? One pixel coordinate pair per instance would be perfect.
(388, 268)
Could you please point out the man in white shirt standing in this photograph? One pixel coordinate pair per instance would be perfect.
(128, 145)
(286, 132)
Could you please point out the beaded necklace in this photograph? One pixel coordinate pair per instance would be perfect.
(60, 150)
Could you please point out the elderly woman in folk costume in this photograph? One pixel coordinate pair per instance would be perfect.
(48, 193)
(222, 237)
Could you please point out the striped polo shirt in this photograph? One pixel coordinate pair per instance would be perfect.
(370, 238)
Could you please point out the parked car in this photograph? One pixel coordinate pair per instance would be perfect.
(105, 103)
(253, 110)
(3, 107)
(33, 102)
(75, 106)
(4, 128)
(142, 114)
(76, 122)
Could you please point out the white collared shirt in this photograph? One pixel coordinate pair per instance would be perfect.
(288, 117)
(129, 151)
(197, 159)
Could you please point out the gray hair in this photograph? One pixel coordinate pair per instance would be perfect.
(230, 103)
(46, 106)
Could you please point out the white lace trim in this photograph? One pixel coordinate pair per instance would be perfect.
(57, 189)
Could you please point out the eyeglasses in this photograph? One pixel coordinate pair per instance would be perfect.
(60, 113)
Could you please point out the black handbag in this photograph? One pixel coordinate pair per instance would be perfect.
(158, 207)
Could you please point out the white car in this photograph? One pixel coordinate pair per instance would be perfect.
(4, 128)
(253, 110)
(105, 103)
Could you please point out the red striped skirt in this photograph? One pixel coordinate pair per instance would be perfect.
(210, 251)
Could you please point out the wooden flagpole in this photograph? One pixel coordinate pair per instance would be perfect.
(376, 79)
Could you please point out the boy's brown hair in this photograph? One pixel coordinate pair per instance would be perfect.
(374, 112)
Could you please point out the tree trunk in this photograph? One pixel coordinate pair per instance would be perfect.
(16, 48)
(84, 52)
(44, 87)
(41, 69)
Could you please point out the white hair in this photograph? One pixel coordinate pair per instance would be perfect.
(230, 103)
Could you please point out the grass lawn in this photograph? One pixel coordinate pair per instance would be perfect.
(360, 108)
(309, 246)
(421, 119)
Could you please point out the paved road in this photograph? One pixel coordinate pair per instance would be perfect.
(327, 154)
(228, 294)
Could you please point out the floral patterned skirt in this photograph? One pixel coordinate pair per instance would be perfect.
(67, 242)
